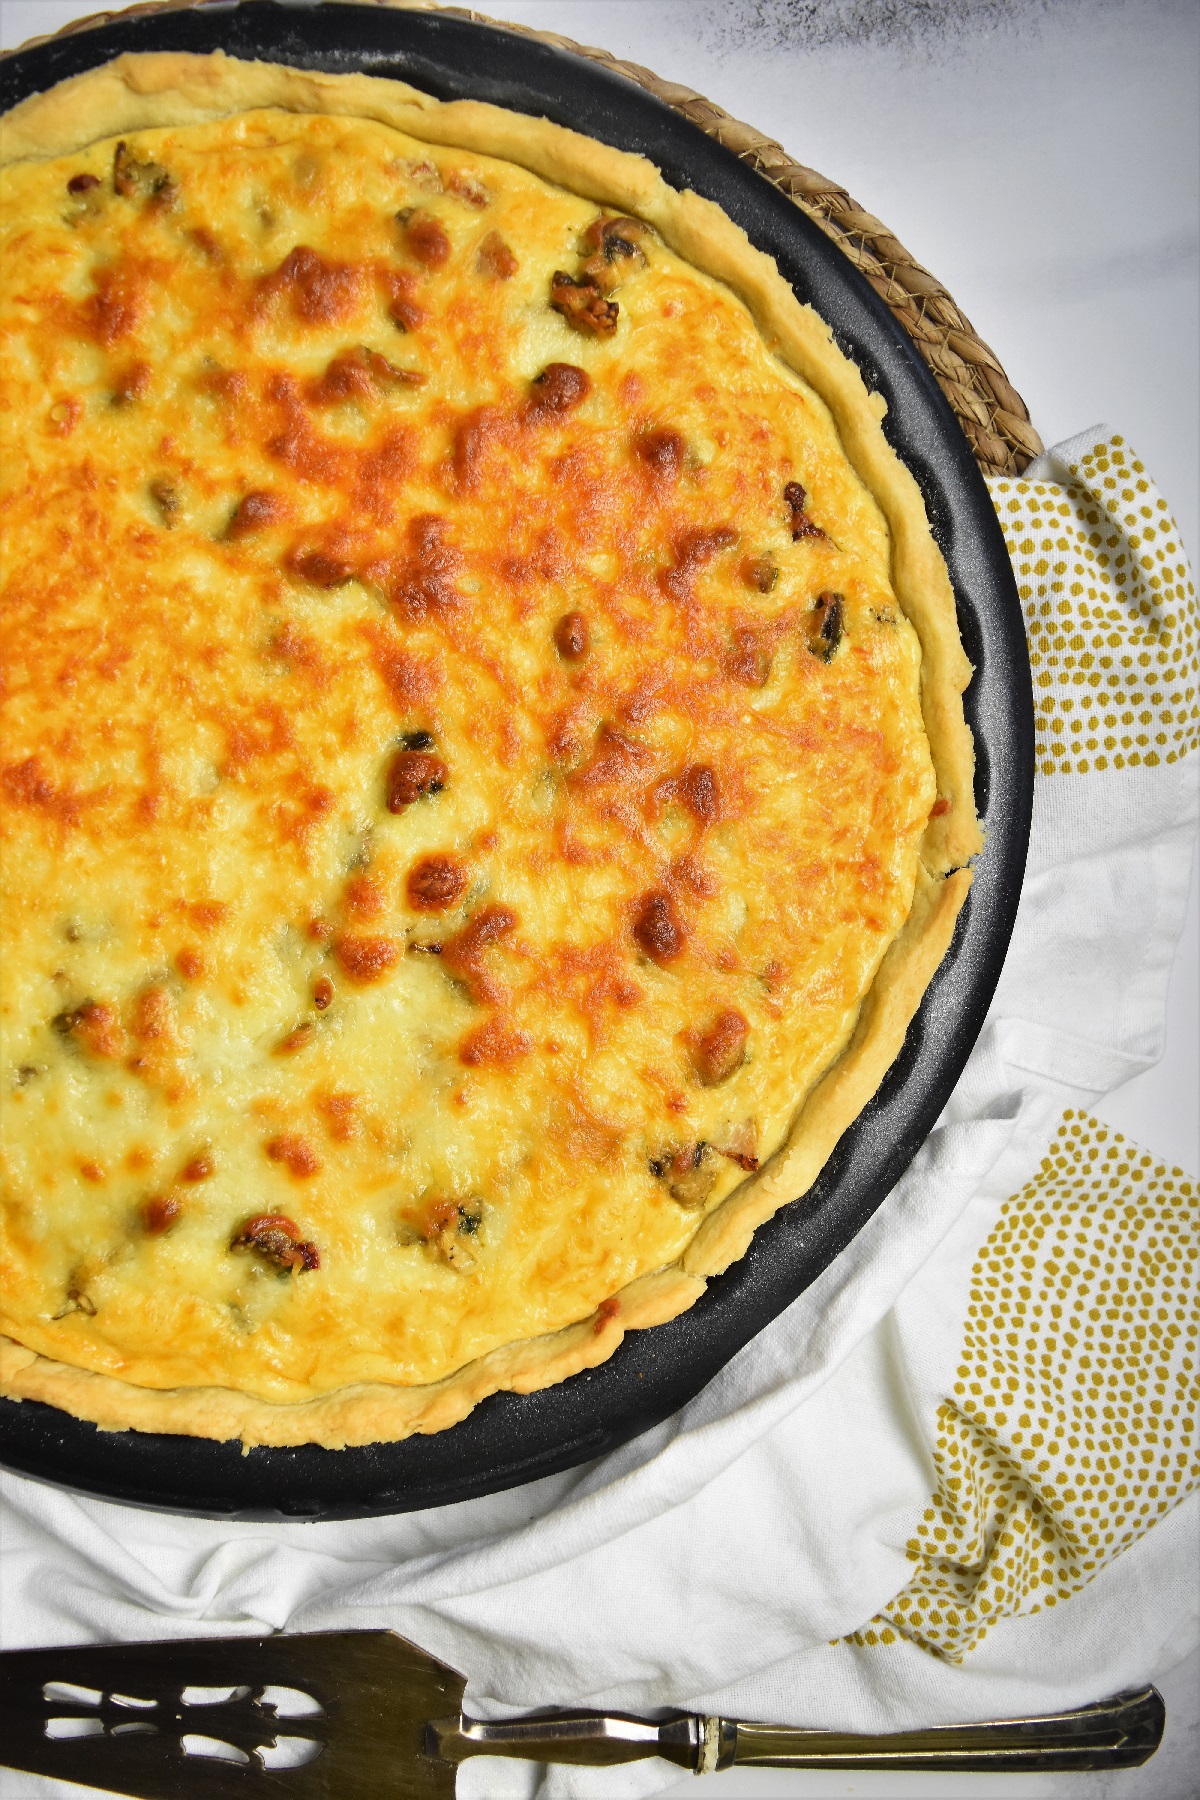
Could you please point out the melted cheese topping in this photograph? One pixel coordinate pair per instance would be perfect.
(450, 817)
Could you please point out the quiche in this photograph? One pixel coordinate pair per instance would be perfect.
(484, 776)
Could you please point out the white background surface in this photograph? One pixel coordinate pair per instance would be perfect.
(1043, 160)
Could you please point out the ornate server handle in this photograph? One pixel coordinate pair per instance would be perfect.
(1113, 1734)
(597, 1739)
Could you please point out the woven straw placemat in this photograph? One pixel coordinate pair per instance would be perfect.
(988, 407)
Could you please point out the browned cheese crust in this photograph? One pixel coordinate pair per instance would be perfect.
(484, 784)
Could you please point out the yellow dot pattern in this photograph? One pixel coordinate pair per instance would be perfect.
(1111, 614)
(1072, 1426)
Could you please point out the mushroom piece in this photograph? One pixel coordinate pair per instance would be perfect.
(615, 243)
(690, 1174)
(277, 1240)
(413, 774)
(827, 623)
(760, 572)
(719, 1052)
(582, 304)
(448, 1227)
(134, 179)
(796, 500)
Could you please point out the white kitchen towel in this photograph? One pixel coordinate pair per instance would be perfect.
(926, 1491)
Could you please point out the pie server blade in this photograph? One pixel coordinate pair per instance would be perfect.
(364, 1715)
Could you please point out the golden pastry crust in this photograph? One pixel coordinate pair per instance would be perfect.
(148, 94)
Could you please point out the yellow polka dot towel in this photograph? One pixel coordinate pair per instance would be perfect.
(957, 1478)
(1114, 637)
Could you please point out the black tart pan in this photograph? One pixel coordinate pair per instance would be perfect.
(517, 1438)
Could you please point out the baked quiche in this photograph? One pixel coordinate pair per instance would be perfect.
(484, 778)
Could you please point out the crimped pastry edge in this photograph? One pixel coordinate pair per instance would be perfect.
(175, 89)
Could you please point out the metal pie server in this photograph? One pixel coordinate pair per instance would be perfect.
(364, 1715)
